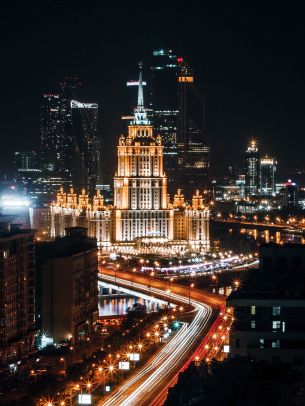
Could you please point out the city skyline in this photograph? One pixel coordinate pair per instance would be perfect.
(256, 90)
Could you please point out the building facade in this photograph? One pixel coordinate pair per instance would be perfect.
(267, 175)
(67, 298)
(142, 210)
(252, 169)
(17, 292)
(269, 308)
(69, 134)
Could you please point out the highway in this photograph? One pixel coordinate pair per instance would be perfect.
(144, 386)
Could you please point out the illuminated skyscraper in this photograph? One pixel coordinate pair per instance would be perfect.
(252, 168)
(164, 103)
(51, 127)
(178, 116)
(70, 147)
(267, 175)
(86, 148)
(193, 144)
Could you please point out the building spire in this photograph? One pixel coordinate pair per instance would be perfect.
(140, 88)
(140, 113)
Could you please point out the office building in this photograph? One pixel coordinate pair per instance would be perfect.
(67, 296)
(193, 144)
(252, 160)
(267, 171)
(17, 291)
(142, 216)
(86, 146)
(70, 146)
(164, 105)
(291, 194)
(270, 308)
(27, 169)
(178, 116)
(51, 132)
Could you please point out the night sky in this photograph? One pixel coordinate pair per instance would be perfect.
(248, 57)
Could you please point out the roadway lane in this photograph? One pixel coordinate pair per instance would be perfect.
(145, 385)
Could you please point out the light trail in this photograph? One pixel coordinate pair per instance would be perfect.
(153, 376)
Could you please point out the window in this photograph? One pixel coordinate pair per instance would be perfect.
(283, 327)
(276, 310)
(253, 310)
(252, 323)
(276, 325)
(261, 343)
(275, 344)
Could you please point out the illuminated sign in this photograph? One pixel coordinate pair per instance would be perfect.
(78, 105)
(134, 357)
(188, 79)
(85, 399)
(134, 83)
(124, 365)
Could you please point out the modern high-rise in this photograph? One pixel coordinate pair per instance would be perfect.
(252, 161)
(51, 132)
(27, 168)
(193, 144)
(85, 165)
(164, 104)
(142, 217)
(70, 146)
(17, 292)
(267, 171)
(178, 116)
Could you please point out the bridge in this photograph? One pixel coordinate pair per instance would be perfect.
(150, 384)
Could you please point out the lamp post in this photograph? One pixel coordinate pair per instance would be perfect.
(190, 286)
(62, 359)
(102, 370)
(149, 284)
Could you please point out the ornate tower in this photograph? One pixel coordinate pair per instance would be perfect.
(140, 184)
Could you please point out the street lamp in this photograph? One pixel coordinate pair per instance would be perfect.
(115, 269)
(62, 359)
(169, 295)
(190, 286)
(150, 276)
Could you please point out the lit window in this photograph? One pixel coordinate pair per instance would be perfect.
(253, 310)
(275, 344)
(261, 343)
(276, 310)
(252, 323)
(276, 325)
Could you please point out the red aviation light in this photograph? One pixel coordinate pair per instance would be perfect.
(180, 59)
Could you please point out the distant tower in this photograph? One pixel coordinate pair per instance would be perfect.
(86, 148)
(193, 144)
(50, 131)
(252, 168)
(267, 175)
(178, 116)
(164, 103)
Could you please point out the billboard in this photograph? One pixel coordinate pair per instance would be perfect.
(124, 365)
(134, 357)
(85, 399)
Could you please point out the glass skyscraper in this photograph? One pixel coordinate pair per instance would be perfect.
(252, 160)
(177, 115)
(267, 175)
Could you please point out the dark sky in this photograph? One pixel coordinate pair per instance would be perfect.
(248, 57)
